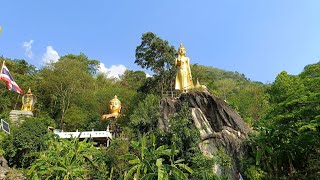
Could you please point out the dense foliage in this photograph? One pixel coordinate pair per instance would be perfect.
(287, 141)
(73, 95)
(68, 159)
(25, 141)
(154, 162)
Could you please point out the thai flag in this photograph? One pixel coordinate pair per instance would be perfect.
(6, 77)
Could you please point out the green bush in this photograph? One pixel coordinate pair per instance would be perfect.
(254, 173)
(68, 159)
(24, 141)
(145, 116)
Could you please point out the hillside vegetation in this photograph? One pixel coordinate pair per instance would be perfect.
(72, 94)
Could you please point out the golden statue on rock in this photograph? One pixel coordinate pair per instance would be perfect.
(28, 101)
(183, 78)
(114, 109)
(200, 87)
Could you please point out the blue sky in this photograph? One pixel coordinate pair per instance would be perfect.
(257, 38)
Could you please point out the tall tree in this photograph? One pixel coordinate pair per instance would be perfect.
(66, 82)
(154, 53)
(157, 55)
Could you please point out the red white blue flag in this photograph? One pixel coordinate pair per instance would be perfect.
(6, 77)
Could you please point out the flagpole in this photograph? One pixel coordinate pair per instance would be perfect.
(2, 66)
(1, 69)
(16, 102)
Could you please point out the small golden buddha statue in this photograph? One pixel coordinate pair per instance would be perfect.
(114, 109)
(28, 101)
(183, 78)
(200, 86)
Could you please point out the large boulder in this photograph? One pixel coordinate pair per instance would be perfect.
(220, 127)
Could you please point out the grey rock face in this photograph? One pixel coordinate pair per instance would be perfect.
(6, 173)
(219, 125)
(3, 167)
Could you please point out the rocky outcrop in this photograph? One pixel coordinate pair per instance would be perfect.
(6, 173)
(3, 167)
(219, 125)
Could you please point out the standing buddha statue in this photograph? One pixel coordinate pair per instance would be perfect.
(183, 77)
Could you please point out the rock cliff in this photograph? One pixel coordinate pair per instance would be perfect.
(219, 125)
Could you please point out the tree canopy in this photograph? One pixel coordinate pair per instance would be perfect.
(287, 144)
(157, 55)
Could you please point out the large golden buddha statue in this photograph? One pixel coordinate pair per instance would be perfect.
(114, 109)
(183, 78)
(28, 101)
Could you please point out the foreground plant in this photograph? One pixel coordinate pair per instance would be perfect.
(66, 159)
(154, 162)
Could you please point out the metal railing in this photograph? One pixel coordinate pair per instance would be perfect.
(170, 94)
(105, 136)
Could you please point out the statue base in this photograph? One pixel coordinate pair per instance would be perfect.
(17, 116)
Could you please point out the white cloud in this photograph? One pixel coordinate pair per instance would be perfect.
(114, 71)
(148, 75)
(27, 46)
(50, 55)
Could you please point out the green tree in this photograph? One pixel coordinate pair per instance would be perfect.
(288, 141)
(133, 79)
(67, 83)
(75, 117)
(251, 101)
(145, 117)
(154, 53)
(157, 55)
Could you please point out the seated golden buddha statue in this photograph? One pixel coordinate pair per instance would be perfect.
(28, 101)
(114, 109)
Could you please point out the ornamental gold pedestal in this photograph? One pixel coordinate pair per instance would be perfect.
(17, 116)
